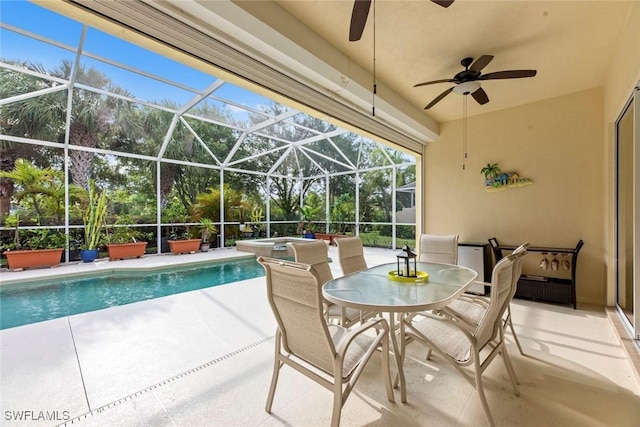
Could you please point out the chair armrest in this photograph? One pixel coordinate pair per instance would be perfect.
(377, 323)
(482, 301)
(464, 328)
(452, 314)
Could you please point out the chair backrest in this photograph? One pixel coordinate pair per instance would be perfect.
(351, 254)
(502, 290)
(295, 297)
(439, 248)
(316, 254)
(518, 267)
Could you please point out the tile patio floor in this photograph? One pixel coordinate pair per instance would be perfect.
(204, 358)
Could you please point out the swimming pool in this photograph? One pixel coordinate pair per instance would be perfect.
(32, 302)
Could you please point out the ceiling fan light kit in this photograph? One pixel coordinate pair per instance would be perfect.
(466, 88)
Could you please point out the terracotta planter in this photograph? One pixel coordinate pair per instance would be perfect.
(184, 246)
(126, 250)
(33, 258)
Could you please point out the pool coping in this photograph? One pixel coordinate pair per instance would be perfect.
(150, 262)
(267, 247)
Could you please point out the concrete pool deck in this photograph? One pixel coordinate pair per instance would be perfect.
(205, 357)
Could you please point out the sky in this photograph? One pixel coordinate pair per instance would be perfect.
(45, 23)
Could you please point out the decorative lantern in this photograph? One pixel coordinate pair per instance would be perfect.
(404, 262)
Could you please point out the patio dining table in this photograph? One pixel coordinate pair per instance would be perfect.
(378, 289)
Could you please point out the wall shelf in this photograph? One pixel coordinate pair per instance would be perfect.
(544, 288)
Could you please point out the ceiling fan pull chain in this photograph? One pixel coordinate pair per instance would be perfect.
(464, 132)
(375, 88)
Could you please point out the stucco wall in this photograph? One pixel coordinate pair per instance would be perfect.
(558, 144)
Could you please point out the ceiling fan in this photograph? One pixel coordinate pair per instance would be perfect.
(468, 81)
(361, 12)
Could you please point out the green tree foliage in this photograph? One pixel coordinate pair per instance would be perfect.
(40, 191)
(175, 137)
(207, 205)
(343, 211)
(94, 117)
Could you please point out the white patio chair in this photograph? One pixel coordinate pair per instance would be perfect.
(471, 308)
(439, 248)
(351, 254)
(351, 258)
(329, 354)
(461, 345)
(316, 254)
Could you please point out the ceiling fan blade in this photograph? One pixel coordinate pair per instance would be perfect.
(443, 3)
(439, 98)
(480, 96)
(481, 62)
(358, 19)
(510, 74)
(435, 81)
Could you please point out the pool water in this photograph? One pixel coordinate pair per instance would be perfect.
(32, 302)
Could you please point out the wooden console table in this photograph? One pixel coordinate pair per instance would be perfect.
(544, 288)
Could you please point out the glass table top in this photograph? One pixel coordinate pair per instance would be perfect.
(373, 289)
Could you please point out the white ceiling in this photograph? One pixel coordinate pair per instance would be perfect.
(569, 43)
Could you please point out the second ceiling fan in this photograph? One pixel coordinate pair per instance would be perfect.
(361, 12)
(468, 81)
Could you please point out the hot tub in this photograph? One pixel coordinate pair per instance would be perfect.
(276, 247)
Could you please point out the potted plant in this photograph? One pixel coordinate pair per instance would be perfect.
(123, 243)
(93, 221)
(241, 209)
(247, 233)
(185, 244)
(257, 226)
(45, 247)
(207, 230)
(308, 212)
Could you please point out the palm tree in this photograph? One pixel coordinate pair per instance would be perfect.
(93, 117)
(156, 124)
(490, 171)
(33, 118)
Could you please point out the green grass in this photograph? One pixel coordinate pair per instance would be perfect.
(374, 239)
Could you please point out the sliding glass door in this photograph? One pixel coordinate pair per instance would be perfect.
(627, 211)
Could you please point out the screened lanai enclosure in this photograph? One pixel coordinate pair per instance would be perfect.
(172, 146)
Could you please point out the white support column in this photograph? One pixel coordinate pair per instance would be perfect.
(158, 206)
(268, 204)
(221, 235)
(357, 218)
(394, 175)
(327, 208)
